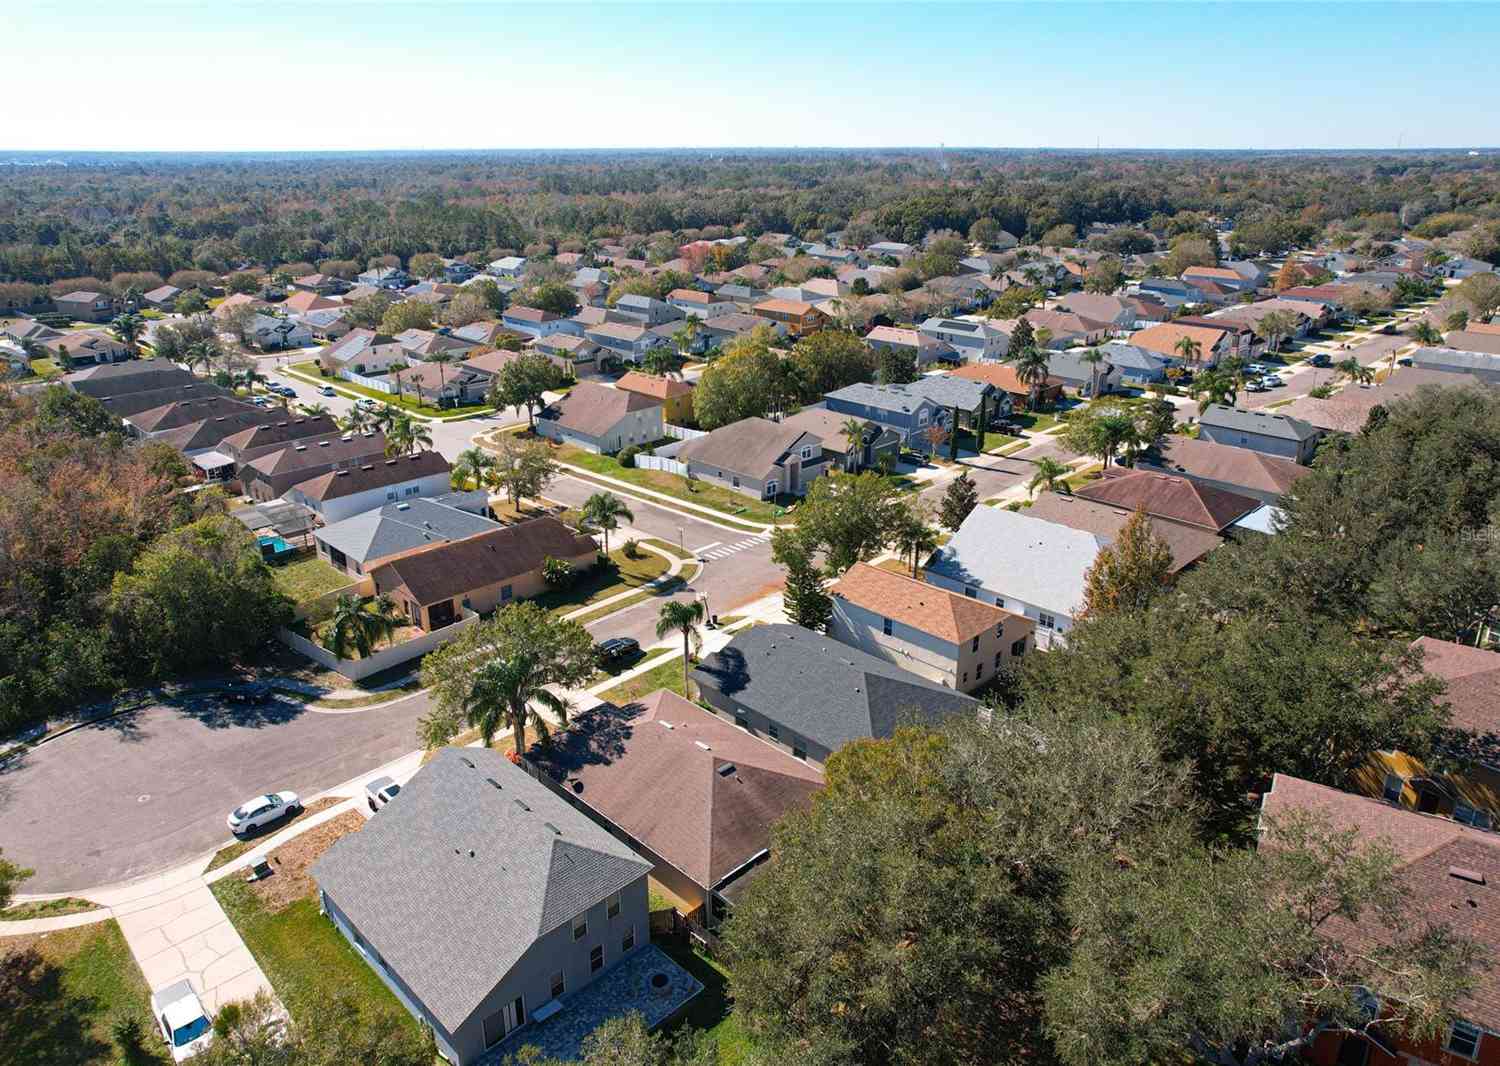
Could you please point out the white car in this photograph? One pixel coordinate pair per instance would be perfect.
(263, 810)
(183, 1022)
(381, 791)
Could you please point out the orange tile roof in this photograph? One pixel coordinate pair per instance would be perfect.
(660, 388)
(926, 607)
(1163, 337)
(786, 307)
(1001, 376)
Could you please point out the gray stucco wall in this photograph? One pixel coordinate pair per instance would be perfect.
(1257, 442)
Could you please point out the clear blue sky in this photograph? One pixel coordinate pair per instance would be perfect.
(364, 75)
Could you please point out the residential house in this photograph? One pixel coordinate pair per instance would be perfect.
(876, 444)
(363, 351)
(278, 465)
(483, 901)
(959, 296)
(299, 303)
(974, 339)
(484, 332)
(695, 304)
(626, 341)
(162, 298)
(338, 494)
(1223, 276)
(441, 385)
(647, 310)
(940, 635)
(136, 375)
(236, 300)
(1241, 341)
(1348, 410)
(597, 418)
(270, 333)
(180, 412)
(567, 351)
(966, 400)
(1065, 329)
(723, 329)
(532, 322)
(322, 284)
(1070, 369)
(425, 343)
(364, 540)
(923, 349)
(1021, 564)
(1188, 544)
(1238, 470)
(894, 407)
(1445, 870)
(1474, 340)
(1164, 338)
(24, 330)
(88, 346)
(1176, 499)
(510, 266)
(1114, 312)
(1133, 367)
(1260, 431)
(1461, 266)
(1484, 366)
(1146, 309)
(674, 394)
(1252, 272)
(897, 250)
(456, 271)
(797, 317)
(828, 254)
(1008, 389)
(133, 403)
(85, 306)
(384, 278)
(756, 457)
(810, 694)
(725, 789)
(326, 325)
(435, 584)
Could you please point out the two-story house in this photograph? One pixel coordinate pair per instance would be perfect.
(1260, 431)
(893, 407)
(797, 317)
(974, 340)
(647, 310)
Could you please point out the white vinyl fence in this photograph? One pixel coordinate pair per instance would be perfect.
(682, 432)
(658, 462)
(385, 658)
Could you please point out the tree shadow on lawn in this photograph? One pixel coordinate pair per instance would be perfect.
(42, 1024)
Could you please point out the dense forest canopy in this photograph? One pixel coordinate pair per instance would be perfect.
(97, 215)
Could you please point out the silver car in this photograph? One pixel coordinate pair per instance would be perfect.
(262, 811)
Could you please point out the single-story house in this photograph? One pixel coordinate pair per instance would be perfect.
(1133, 367)
(1477, 364)
(322, 284)
(88, 346)
(1022, 564)
(1065, 329)
(598, 418)
(136, 375)
(876, 441)
(940, 635)
(384, 278)
(1475, 338)
(483, 901)
(163, 297)
(757, 458)
(674, 394)
(433, 585)
(722, 790)
(1239, 470)
(357, 543)
(897, 250)
(444, 385)
(1187, 543)
(532, 322)
(479, 333)
(722, 329)
(1069, 368)
(1260, 431)
(1220, 275)
(1164, 338)
(299, 303)
(628, 341)
(272, 333)
(510, 266)
(810, 694)
(1176, 499)
(1114, 311)
(425, 343)
(326, 325)
(363, 351)
(923, 349)
(351, 489)
(567, 350)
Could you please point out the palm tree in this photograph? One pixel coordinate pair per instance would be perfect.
(854, 433)
(914, 537)
(1049, 475)
(603, 510)
(351, 627)
(201, 353)
(504, 690)
(442, 359)
(1214, 387)
(386, 617)
(1032, 364)
(1355, 371)
(356, 421)
(407, 437)
(1424, 332)
(1093, 357)
(315, 410)
(684, 337)
(386, 417)
(128, 328)
(660, 361)
(473, 465)
(396, 372)
(1189, 349)
(684, 617)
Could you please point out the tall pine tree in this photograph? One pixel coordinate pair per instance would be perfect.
(959, 499)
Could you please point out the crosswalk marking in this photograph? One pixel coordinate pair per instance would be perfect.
(705, 547)
(723, 551)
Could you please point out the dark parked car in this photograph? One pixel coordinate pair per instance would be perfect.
(1320, 359)
(616, 649)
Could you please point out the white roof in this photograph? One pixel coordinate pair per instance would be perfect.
(212, 460)
(1017, 556)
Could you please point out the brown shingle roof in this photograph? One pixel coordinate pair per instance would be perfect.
(944, 614)
(336, 484)
(1473, 679)
(1429, 850)
(317, 451)
(1231, 465)
(302, 302)
(444, 571)
(702, 794)
(530, 314)
(1347, 410)
(658, 388)
(750, 446)
(1091, 516)
(594, 409)
(1173, 498)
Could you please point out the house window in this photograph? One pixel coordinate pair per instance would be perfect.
(922, 418)
(807, 453)
(999, 658)
(966, 677)
(1018, 647)
(559, 984)
(974, 644)
(580, 926)
(390, 495)
(971, 591)
(506, 591)
(885, 626)
(1462, 812)
(612, 906)
(799, 751)
(735, 481)
(627, 942)
(596, 959)
(1046, 621)
(1395, 784)
(773, 731)
(978, 671)
(772, 488)
(742, 723)
(1463, 1039)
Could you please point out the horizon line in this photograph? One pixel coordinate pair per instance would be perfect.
(936, 148)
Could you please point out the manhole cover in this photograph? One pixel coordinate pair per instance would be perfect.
(143, 799)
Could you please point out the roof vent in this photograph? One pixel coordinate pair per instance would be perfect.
(552, 827)
(665, 725)
(324, 443)
(727, 769)
(1465, 874)
(521, 804)
(403, 507)
(702, 745)
(492, 781)
(466, 761)
(299, 447)
(390, 462)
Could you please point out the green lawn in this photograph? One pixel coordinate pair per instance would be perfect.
(47, 908)
(308, 578)
(702, 493)
(667, 674)
(621, 574)
(713, 1009)
(1035, 421)
(303, 954)
(46, 368)
(64, 991)
(349, 388)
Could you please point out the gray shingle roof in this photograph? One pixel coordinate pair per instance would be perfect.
(399, 527)
(1016, 556)
(454, 880)
(821, 689)
(880, 397)
(1267, 424)
(1455, 359)
(948, 391)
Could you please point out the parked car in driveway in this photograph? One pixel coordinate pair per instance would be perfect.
(381, 791)
(183, 1022)
(616, 649)
(262, 811)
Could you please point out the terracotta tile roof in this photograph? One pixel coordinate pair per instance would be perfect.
(692, 788)
(1173, 498)
(924, 607)
(1432, 852)
(1002, 377)
(1212, 272)
(1473, 679)
(1188, 544)
(1163, 338)
(659, 388)
(594, 409)
(1234, 466)
(784, 307)
(450, 569)
(302, 302)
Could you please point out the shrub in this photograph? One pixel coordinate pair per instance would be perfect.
(557, 573)
(632, 549)
(627, 455)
